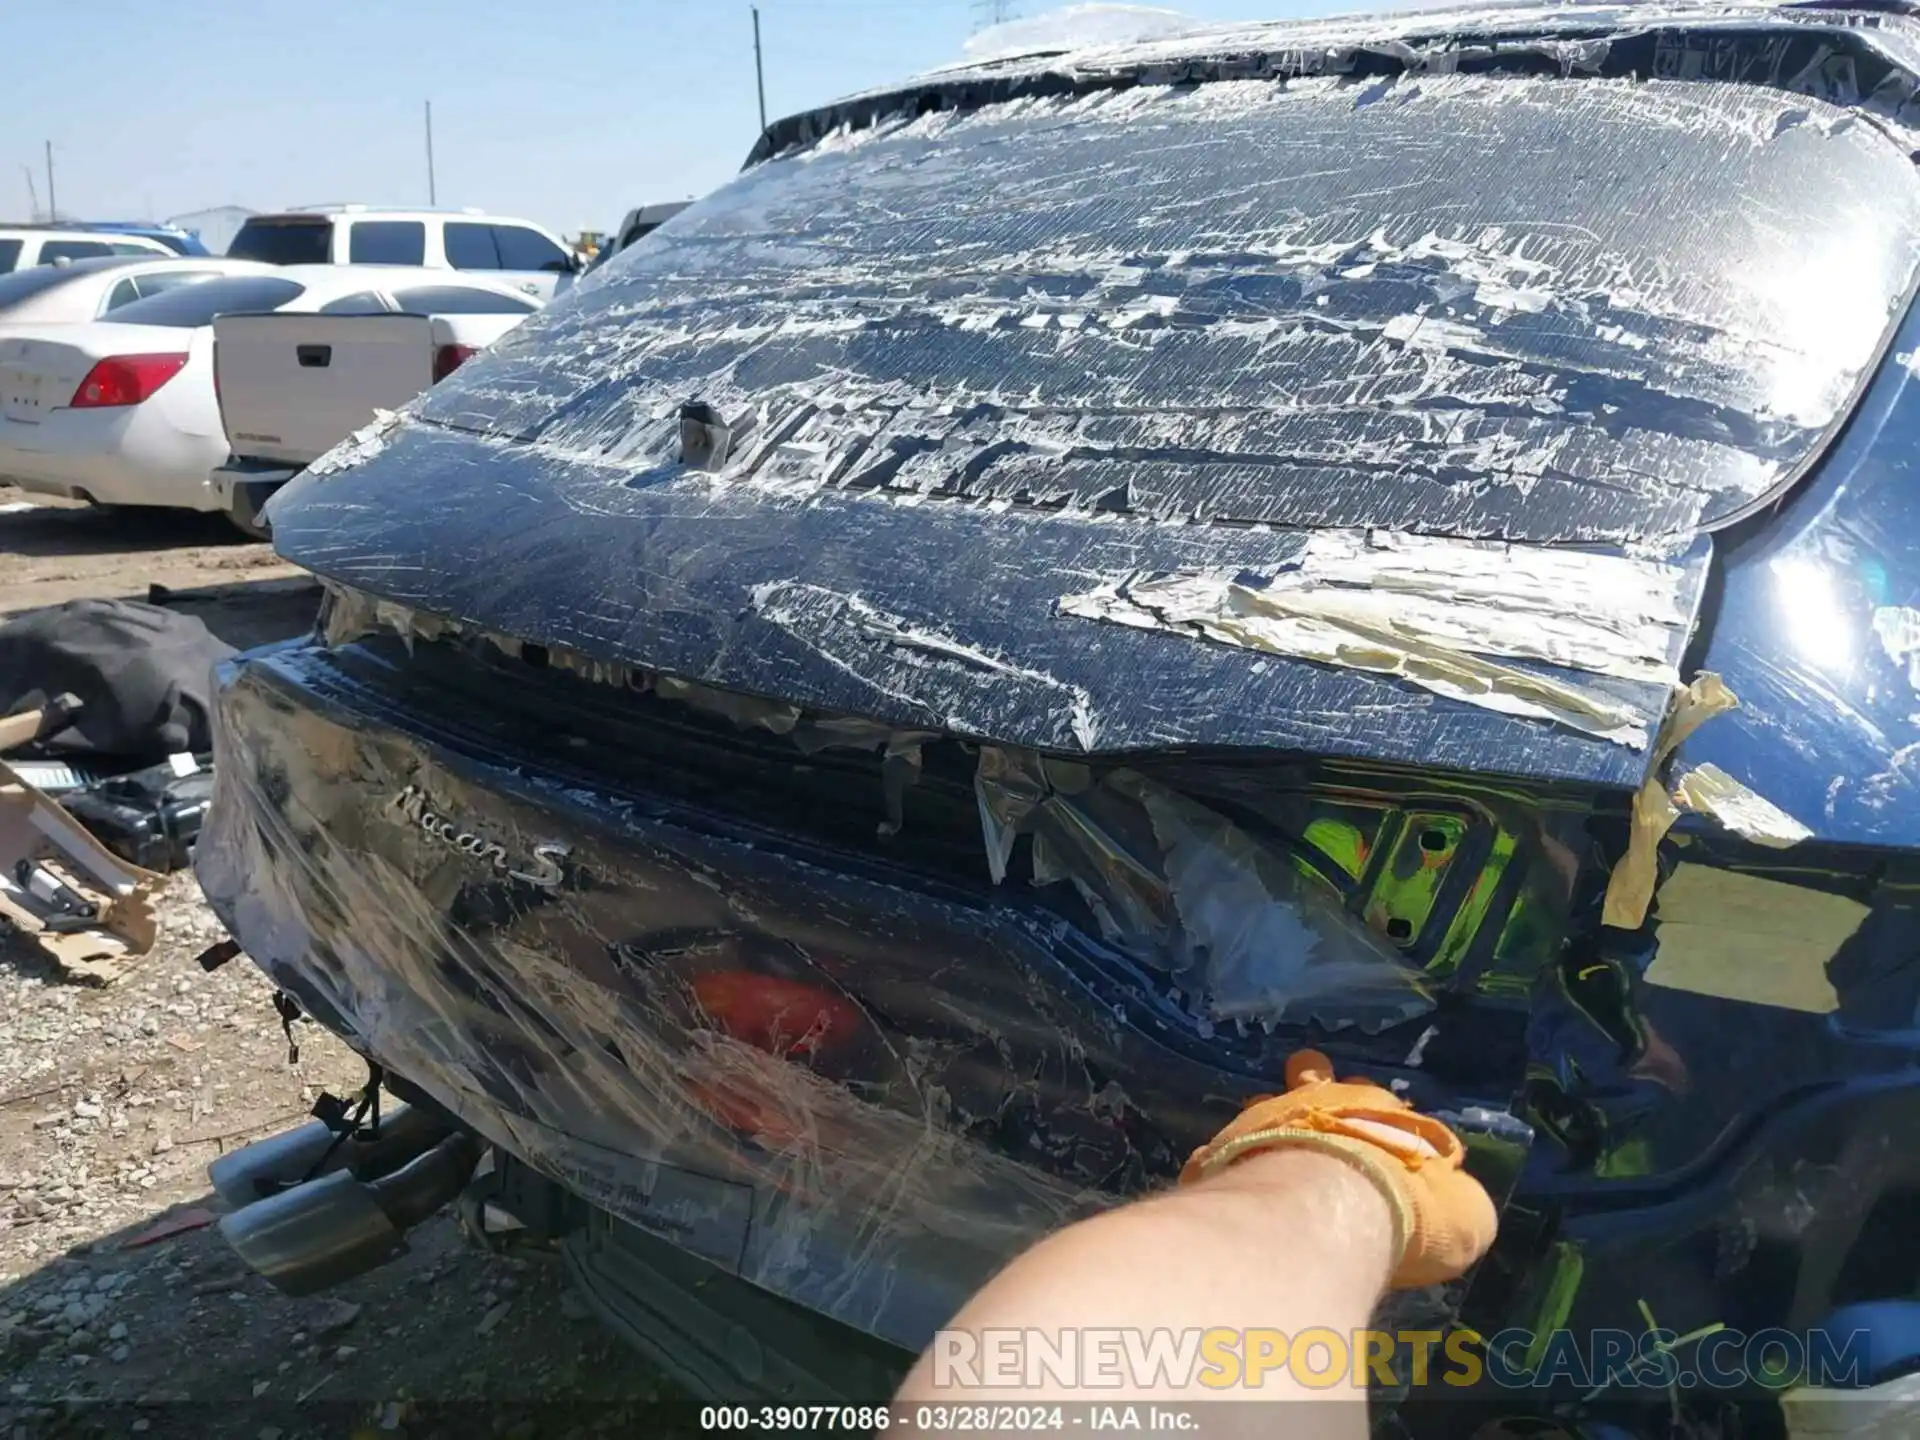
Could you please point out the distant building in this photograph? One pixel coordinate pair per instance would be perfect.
(216, 227)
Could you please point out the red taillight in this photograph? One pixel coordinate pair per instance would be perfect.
(125, 380)
(788, 1018)
(449, 358)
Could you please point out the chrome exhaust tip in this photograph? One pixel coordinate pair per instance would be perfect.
(306, 1152)
(337, 1226)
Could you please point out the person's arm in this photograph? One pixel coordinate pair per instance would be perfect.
(1298, 1215)
(1284, 1240)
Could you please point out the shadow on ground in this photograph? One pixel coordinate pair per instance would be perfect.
(248, 613)
(177, 1339)
(90, 530)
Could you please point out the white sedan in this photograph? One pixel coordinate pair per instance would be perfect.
(123, 411)
(94, 289)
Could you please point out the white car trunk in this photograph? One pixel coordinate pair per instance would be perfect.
(40, 369)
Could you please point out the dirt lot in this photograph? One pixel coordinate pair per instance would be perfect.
(54, 550)
(113, 1101)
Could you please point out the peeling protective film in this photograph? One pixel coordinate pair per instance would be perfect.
(1708, 790)
(1387, 303)
(972, 361)
(1433, 611)
(1236, 924)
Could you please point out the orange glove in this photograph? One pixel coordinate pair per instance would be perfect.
(1443, 1219)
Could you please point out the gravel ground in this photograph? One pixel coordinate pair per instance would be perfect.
(113, 1101)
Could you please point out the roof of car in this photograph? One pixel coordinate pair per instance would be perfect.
(74, 232)
(1640, 38)
(375, 212)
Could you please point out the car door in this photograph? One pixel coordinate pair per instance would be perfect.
(517, 254)
(532, 261)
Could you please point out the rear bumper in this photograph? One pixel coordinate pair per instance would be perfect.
(125, 459)
(551, 1020)
(242, 490)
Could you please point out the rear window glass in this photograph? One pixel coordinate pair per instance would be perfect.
(459, 300)
(1379, 303)
(387, 242)
(471, 247)
(9, 255)
(23, 285)
(193, 305)
(361, 302)
(300, 242)
(160, 281)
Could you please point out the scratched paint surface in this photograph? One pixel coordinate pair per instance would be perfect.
(970, 362)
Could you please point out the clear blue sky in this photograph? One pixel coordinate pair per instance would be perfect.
(567, 112)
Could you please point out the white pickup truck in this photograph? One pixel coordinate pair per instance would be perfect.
(292, 386)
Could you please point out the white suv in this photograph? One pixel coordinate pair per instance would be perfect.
(517, 252)
(24, 246)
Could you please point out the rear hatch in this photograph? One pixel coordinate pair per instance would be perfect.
(292, 386)
(911, 422)
(284, 240)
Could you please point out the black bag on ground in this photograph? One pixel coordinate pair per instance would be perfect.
(144, 676)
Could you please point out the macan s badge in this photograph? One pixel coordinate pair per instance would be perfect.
(413, 805)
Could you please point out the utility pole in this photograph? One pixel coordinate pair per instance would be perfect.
(53, 206)
(433, 194)
(759, 75)
(993, 12)
(33, 196)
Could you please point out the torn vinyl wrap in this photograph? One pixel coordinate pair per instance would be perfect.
(858, 1086)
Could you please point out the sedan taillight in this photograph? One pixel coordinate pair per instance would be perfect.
(125, 380)
(449, 358)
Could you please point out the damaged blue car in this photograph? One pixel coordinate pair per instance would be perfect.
(865, 730)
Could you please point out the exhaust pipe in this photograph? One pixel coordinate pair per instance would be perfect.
(306, 1152)
(338, 1226)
